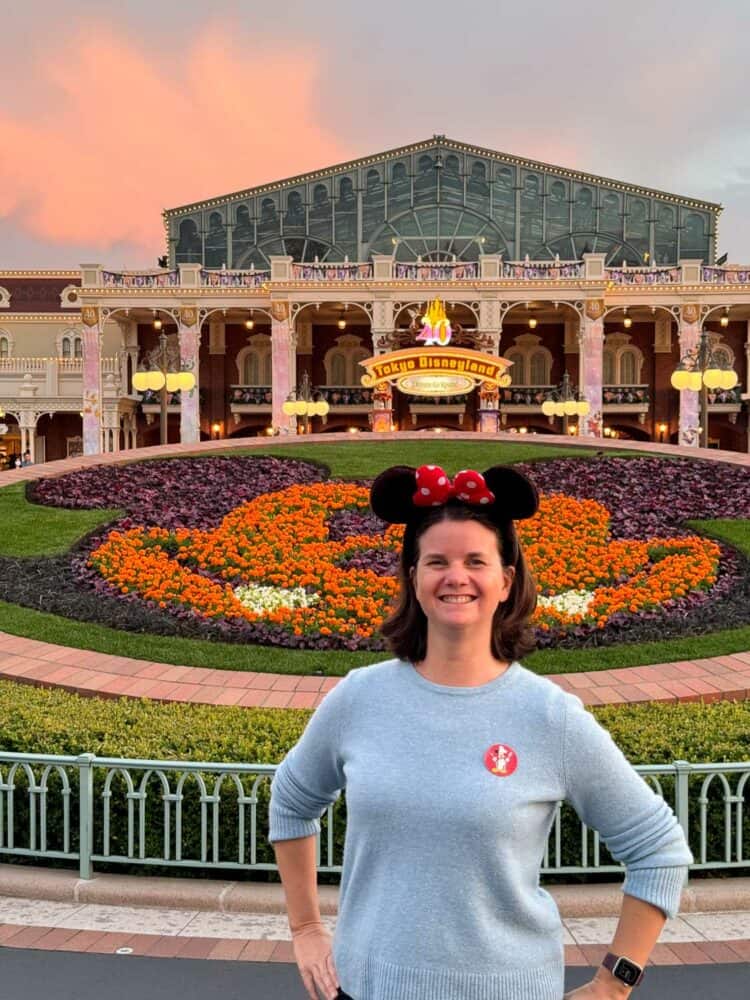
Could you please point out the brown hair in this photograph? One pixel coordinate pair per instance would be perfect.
(512, 636)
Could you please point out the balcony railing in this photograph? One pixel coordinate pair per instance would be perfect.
(89, 810)
(439, 271)
(332, 272)
(65, 366)
(536, 270)
(524, 395)
(725, 397)
(140, 279)
(726, 275)
(250, 395)
(490, 267)
(644, 275)
(344, 395)
(624, 395)
(149, 398)
(223, 278)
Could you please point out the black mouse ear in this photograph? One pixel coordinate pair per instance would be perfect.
(391, 494)
(516, 496)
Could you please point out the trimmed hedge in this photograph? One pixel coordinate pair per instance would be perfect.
(52, 721)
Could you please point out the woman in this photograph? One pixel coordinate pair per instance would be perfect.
(454, 758)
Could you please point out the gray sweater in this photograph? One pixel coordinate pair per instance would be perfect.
(451, 794)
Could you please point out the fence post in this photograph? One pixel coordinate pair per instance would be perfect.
(682, 799)
(85, 813)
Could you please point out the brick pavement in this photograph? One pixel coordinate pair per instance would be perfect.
(691, 938)
(30, 661)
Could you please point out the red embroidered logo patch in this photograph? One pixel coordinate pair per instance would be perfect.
(501, 760)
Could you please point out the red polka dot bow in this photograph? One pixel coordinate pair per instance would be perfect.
(434, 487)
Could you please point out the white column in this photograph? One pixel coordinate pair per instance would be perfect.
(689, 337)
(381, 414)
(591, 363)
(27, 421)
(283, 366)
(92, 380)
(189, 332)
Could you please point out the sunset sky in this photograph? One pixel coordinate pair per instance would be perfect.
(108, 115)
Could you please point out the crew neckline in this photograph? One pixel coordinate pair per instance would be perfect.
(506, 677)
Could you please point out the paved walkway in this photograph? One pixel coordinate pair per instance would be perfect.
(97, 674)
(691, 938)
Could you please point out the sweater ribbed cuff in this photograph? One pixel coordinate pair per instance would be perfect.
(283, 826)
(662, 887)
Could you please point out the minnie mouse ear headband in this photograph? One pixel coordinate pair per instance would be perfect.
(404, 495)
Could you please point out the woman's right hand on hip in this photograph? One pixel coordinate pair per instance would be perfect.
(314, 958)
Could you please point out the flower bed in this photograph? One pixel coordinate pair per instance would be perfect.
(260, 550)
(280, 543)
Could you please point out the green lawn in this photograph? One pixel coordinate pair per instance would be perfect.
(32, 530)
(39, 531)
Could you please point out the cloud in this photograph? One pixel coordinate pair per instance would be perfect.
(124, 134)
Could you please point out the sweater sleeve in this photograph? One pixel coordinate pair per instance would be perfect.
(311, 776)
(638, 827)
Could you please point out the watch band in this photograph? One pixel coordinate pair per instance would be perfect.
(624, 969)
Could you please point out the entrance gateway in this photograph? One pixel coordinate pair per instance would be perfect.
(435, 371)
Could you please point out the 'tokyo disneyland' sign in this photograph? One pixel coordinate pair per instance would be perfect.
(435, 371)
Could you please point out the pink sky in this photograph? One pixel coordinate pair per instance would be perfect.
(104, 123)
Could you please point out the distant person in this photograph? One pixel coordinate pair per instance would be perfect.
(26, 460)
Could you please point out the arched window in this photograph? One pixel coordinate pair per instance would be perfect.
(67, 349)
(338, 369)
(628, 367)
(517, 372)
(539, 369)
(78, 348)
(341, 361)
(251, 370)
(4, 347)
(254, 361)
(609, 368)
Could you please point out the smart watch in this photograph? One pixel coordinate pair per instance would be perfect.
(624, 969)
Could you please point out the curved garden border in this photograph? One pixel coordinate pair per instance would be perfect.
(87, 672)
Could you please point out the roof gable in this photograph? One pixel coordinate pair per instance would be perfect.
(439, 143)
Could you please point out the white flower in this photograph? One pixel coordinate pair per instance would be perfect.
(571, 602)
(260, 599)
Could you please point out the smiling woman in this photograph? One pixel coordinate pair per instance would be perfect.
(459, 911)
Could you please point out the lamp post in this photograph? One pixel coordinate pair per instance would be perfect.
(158, 378)
(302, 404)
(699, 371)
(564, 401)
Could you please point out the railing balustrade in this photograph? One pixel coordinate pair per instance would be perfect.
(144, 813)
(74, 366)
(524, 395)
(439, 271)
(332, 272)
(344, 395)
(140, 279)
(726, 275)
(644, 275)
(251, 395)
(618, 394)
(535, 270)
(732, 397)
(224, 278)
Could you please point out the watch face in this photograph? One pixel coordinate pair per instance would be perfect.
(626, 972)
